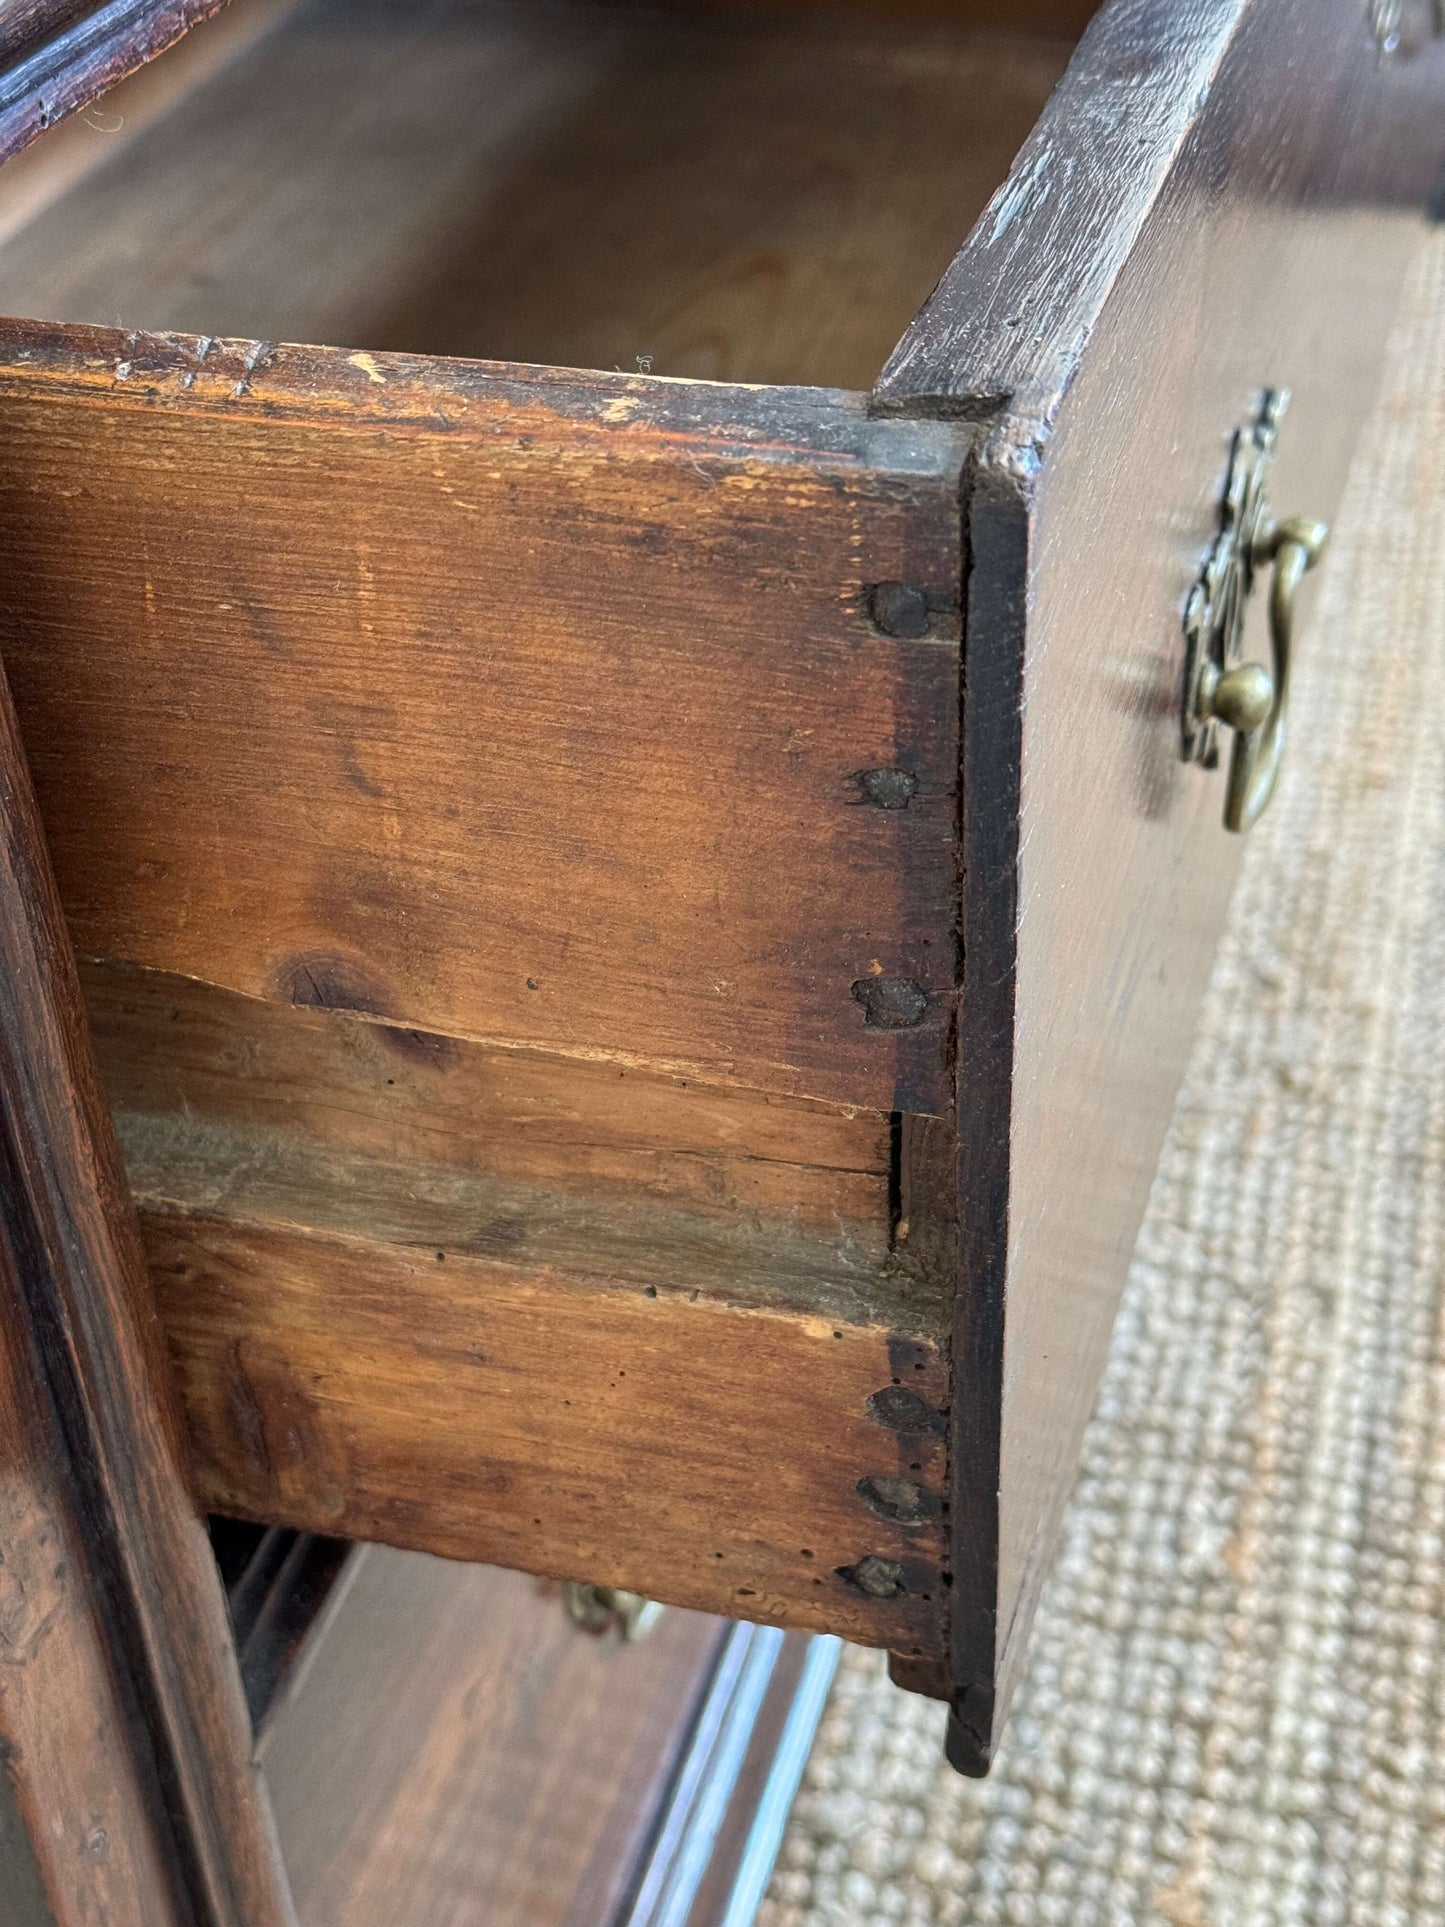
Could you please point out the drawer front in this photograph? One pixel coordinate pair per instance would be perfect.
(1219, 201)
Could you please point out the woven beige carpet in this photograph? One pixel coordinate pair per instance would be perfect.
(1234, 1714)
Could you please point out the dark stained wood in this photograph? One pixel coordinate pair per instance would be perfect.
(1196, 218)
(87, 141)
(27, 24)
(58, 55)
(66, 1718)
(277, 1583)
(1010, 318)
(124, 1734)
(541, 719)
(274, 1602)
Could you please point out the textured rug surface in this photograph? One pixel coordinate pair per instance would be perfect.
(1234, 1714)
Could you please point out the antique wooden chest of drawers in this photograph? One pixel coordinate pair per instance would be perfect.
(641, 893)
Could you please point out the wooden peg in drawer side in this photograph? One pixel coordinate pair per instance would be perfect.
(502, 703)
(556, 1315)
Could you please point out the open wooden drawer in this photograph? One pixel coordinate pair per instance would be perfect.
(644, 924)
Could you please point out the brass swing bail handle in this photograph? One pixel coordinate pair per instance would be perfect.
(1252, 700)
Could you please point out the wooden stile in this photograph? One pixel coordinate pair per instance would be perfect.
(122, 1728)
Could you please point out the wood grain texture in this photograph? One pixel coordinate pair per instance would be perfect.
(522, 1122)
(399, 1382)
(314, 1118)
(537, 1312)
(494, 703)
(124, 1733)
(58, 55)
(24, 24)
(1011, 316)
(1217, 198)
(741, 198)
(66, 1719)
(1200, 216)
(455, 1744)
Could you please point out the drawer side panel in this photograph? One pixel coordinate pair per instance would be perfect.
(537, 710)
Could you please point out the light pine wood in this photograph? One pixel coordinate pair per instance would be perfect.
(366, 1386)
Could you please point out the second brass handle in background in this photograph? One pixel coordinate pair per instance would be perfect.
(1254, 701)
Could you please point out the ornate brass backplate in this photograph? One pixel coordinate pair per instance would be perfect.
(1220, 688)
(1214, 614)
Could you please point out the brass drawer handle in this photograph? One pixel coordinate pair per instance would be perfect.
(601, 1609)
(1252, 700)
(1219, 689)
